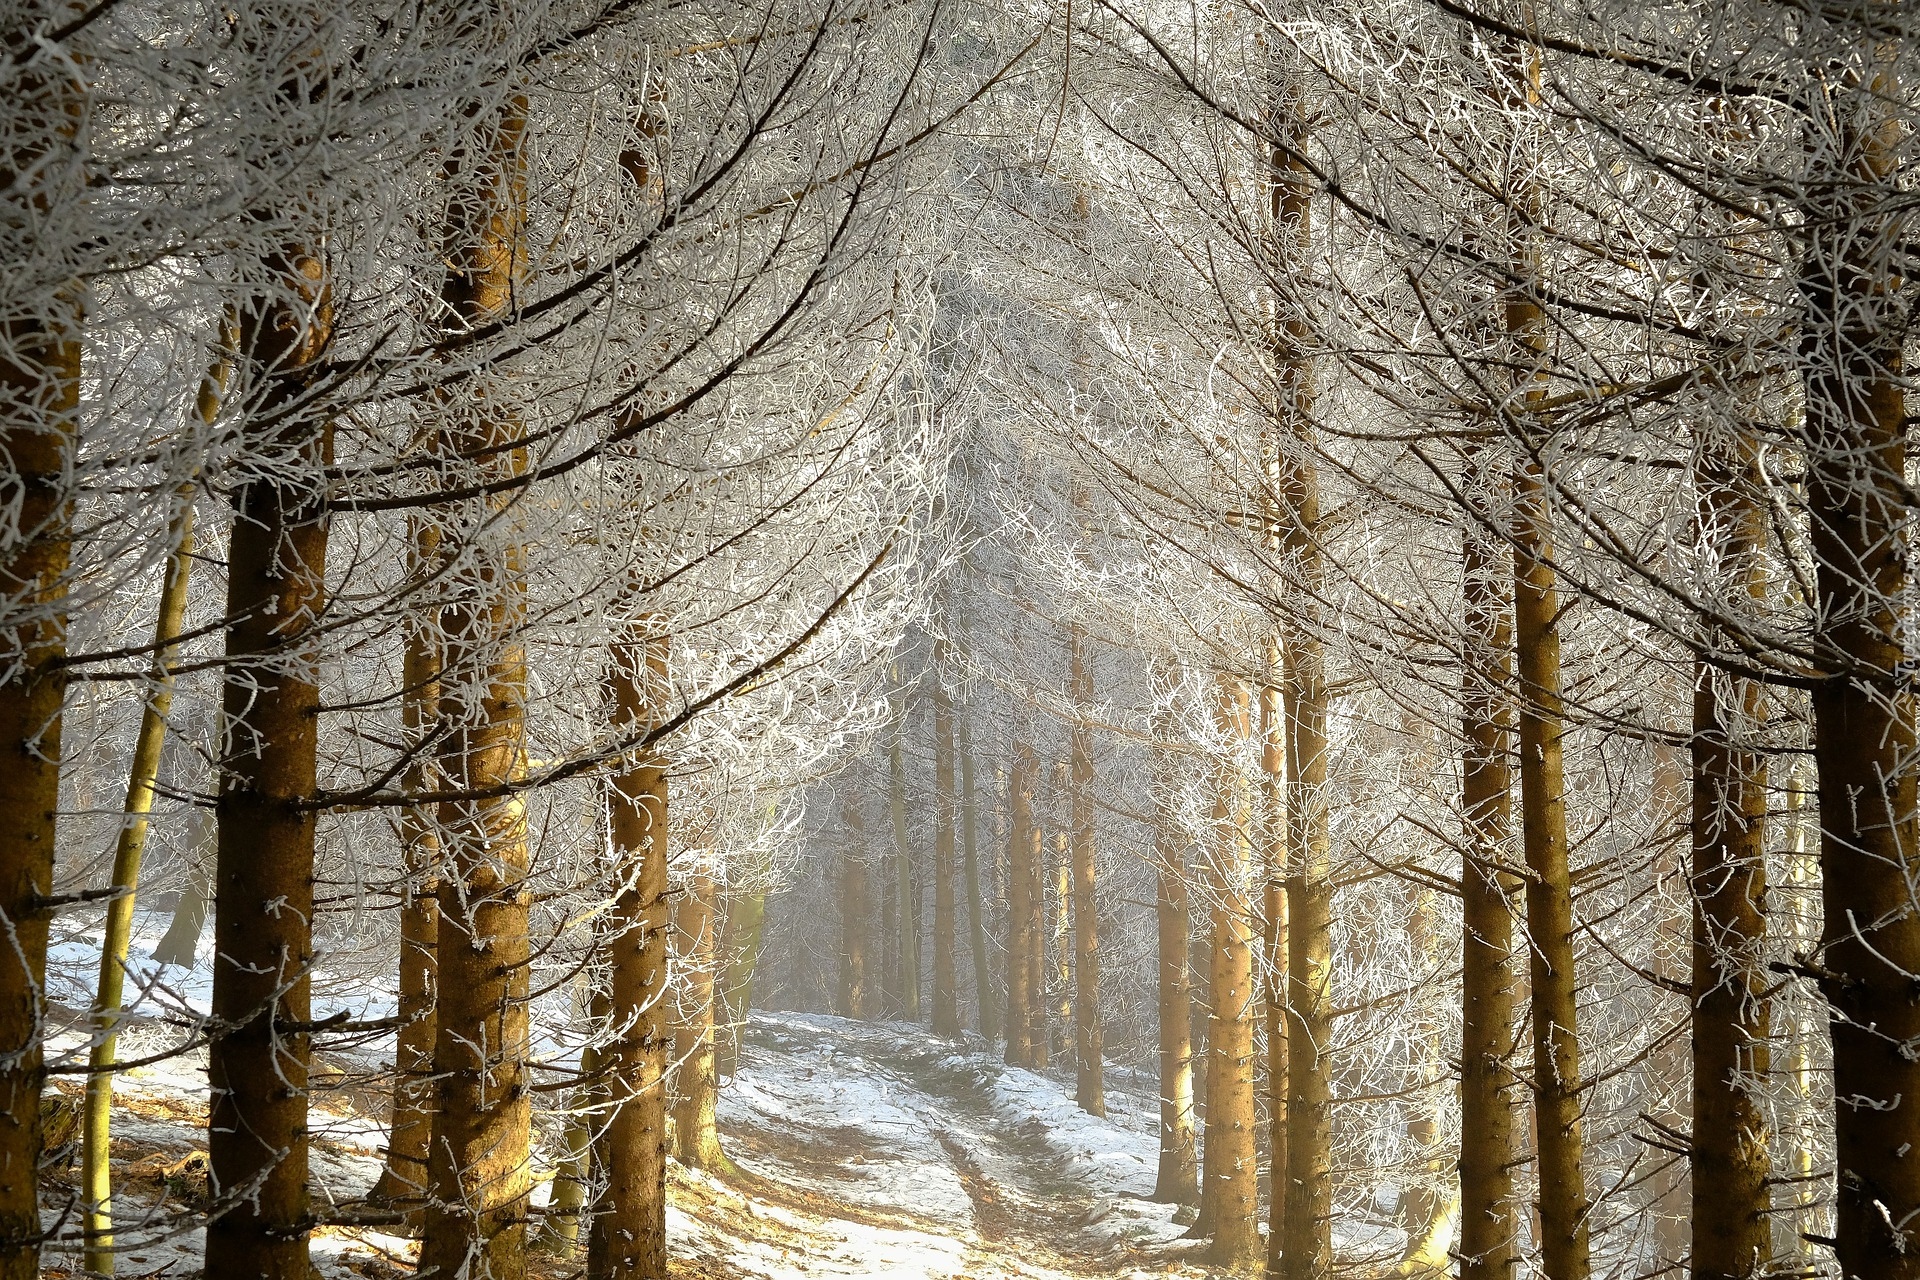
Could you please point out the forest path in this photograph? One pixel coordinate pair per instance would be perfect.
(890, 1153)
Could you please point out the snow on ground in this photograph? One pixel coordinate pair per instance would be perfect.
(867, 1150)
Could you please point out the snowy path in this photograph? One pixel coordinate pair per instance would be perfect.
(876, 1150)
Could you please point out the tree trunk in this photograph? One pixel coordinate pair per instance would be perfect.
(1732, 1022)
(40, 372)
(1852, 334)
(403, 1178)
(696, 1138)
(96, 1177)
(628, 1236)
(1490, 1147)
(1060, 982)
(1229, 1189)
(976, 902)
(1089, 1042)
(479, 1169)
(276, 581)
(1307, 1253)
(1427, 1207)
(180, 944)
(1178, 1178)
(909, 888)
(855, 914)
(1273, 953)
(746, 924)
(1558, 1087)
(946, 986)
(1022, 936)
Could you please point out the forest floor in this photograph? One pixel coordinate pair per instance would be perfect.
(860, 1150)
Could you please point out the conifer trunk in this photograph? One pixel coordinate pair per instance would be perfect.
(696, 1136)
(403, 1177)
(39, 406)
(1490, 1139)
(1089, 1040)
(1229, 1190)
(1273, 953)
(257, 1061)
(1558, 1087)
(855, 914)
(479, 1166)
(1732, 1023)
(628, 1236)
(1021, 911)
(1177, 1180)
(96, 1177)
(1060, 982)
(909, 920)
(976, 900)
(746, 925)
(1854, 324)
(946, 986)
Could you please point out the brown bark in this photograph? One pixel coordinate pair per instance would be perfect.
(696, 1137)
(946, 985)
(404, 1175)
(1557, 1086)
(1853, 328)
(1273, 955)
(1021, 911)
(1178, 1178)
(983, 992)
(909, 886)
(1229, 1190)
(1732, 1023)
(1060, 981)
(39, 404)
(276, 578)
(856, 995)
(479, 1170)
(1307, 1253)
(1490, 1139)
(1089, 1040)
(628, 1236)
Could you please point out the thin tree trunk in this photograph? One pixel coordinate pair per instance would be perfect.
(403, 1177)
(1230, 1186)
(1273, 952)
(976, 901)
(1060, 981)
(1178, 1178)
(946, 985)
(1490, 1148)
(96, 1176)
(696, 1136)
(855, 914)
(628, 1236)
(1427, 1208)
(479, 1167)
(1039, 1029)
(1308, 1250)
(1558, 1086)
(257, 1061)
(1853, 331)
(1089, 1089)
(909, 890)
(746, 925)
(1732, 1022)
(1020, 908)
